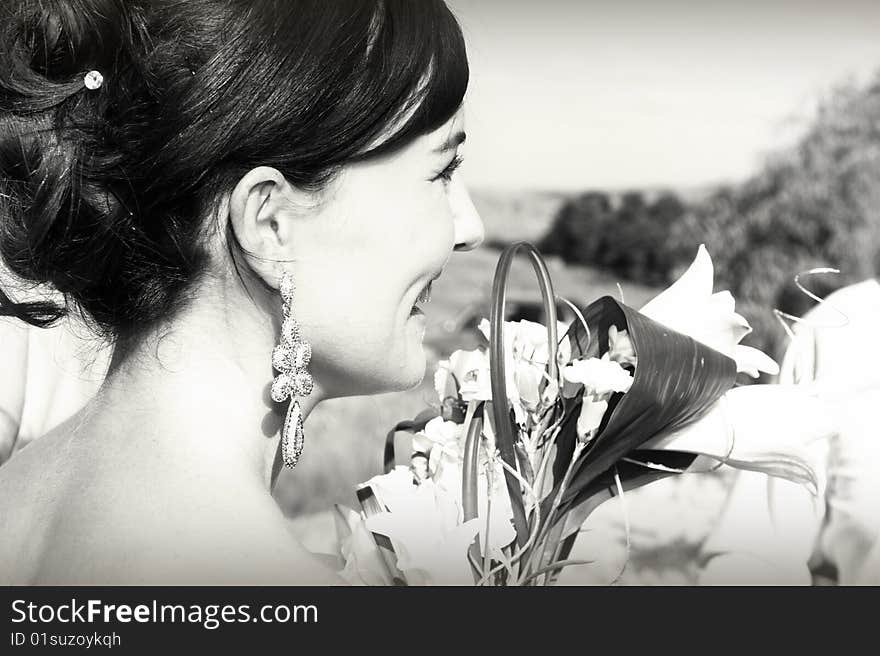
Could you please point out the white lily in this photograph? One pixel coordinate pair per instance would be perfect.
(689, 307)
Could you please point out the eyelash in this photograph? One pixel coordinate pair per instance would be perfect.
(446, 174)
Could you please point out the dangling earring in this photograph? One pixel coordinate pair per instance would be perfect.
(290, 358)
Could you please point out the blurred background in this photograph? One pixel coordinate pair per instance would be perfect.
(618, 137)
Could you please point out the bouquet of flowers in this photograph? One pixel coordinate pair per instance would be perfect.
(544, 423)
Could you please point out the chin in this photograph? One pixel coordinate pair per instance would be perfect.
(399, 368)
(416, 379)
(384, 377)
(403, 364)
(406, 371)
(413, 374)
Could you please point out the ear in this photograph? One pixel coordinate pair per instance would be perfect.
(261, 209)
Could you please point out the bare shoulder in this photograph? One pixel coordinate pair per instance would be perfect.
(195, 555)
(30, 486)
(243, 541)
(123, 532)
(69, 515)
(248, 544)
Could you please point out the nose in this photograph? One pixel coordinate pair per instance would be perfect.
(469, 231)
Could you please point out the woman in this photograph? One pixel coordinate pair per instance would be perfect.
(169, 165)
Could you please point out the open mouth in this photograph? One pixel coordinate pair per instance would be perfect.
(424, 297)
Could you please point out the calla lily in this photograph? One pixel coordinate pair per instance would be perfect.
(689, 307)
(764, 428)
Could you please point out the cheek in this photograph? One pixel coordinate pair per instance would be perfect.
(403, 243)
(427, 236)
(367, 279)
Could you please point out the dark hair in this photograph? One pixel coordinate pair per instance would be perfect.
(102, 191)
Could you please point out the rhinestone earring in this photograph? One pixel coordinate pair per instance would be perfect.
(290, 359)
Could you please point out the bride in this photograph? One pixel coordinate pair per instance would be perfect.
(250, 200)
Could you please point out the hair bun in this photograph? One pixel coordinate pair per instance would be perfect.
(47, 179)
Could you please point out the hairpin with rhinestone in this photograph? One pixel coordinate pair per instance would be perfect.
(93, 80)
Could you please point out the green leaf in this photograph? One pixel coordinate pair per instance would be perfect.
(632, 476)
(677, 381)
(371, 507)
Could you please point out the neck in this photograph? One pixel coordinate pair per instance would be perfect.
(197, 393)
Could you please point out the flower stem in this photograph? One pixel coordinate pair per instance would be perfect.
(538, 553)
(548, 569)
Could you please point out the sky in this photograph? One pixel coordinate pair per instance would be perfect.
(576, 94)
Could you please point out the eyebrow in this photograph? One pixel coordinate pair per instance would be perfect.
(452, 142)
